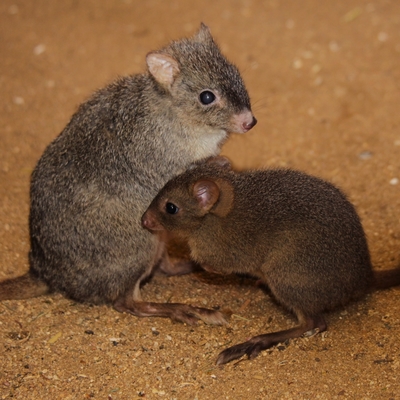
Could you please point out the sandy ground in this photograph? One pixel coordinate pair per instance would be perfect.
(324, 78)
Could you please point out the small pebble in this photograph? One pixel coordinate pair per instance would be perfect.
(383, 36)
(289, 24)
(365, 155)
(18, 100)
(39, 49)
(318, 81)
(352, 14)
(316, 68)
(297, 64)
(333, 46)
(394, 181)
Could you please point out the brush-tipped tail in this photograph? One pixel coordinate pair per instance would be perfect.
(22, 287)
(386, 278)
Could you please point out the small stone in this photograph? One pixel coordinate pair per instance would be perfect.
(383, 36)
(290, 24)
(333, 46)
(365, 155)
(297, 63)
(352, 14)
(394, 181)
(39, 49)
(318, 81)
(316, 68)
(18, 100)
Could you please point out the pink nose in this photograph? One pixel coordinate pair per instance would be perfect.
(149, 221)
(145, 222)
(248, 125)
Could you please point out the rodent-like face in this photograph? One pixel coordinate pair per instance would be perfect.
(174, 210)
(206, 89)
(208, 99)
(181, 207)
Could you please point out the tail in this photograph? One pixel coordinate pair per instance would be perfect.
(386, 278)
(22, 287)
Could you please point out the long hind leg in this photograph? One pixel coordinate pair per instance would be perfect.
(262, 342)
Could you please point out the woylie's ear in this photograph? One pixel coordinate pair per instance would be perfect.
(203, 34)
(163, 67)
(214, 196)
(207, 193)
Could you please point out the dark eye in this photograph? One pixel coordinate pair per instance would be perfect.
(207, 97)
(171, 208)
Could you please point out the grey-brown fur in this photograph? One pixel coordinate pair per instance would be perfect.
(95, 180)
(297, 233)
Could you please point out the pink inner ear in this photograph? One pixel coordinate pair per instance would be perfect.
(163, 67)
(207, 193)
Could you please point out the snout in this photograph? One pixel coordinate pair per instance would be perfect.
(150, 222)
(248, 125)
(243, 122)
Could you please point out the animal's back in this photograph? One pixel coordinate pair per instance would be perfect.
(297, 232)
(316, 250)
(87, 193)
